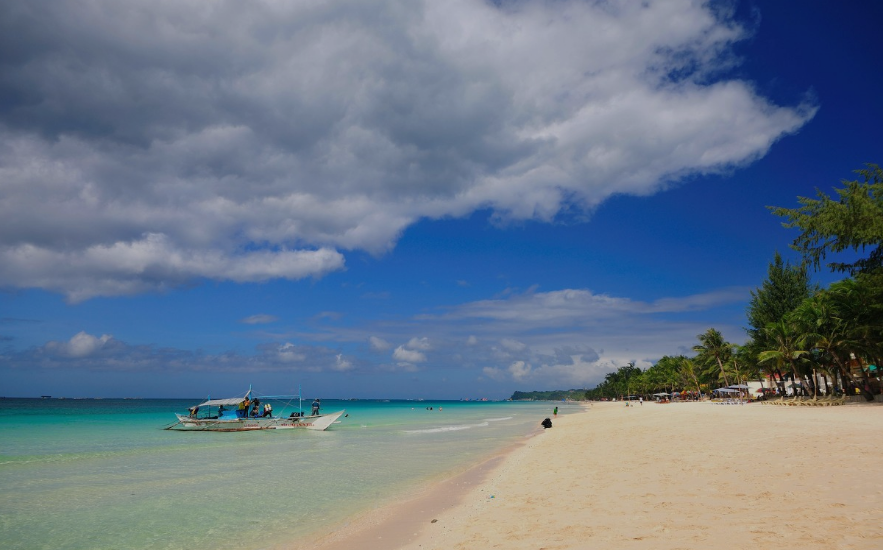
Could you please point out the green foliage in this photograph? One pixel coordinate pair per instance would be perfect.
(854, 221)
(623, 381)
(713, 352)
(554, 395)
(784, 289)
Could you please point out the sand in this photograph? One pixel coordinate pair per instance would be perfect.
(691, 475)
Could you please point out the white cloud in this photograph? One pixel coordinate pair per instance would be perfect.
(139, 153)
(80, 345)
(519, 370)
(403, 354)
(342, 364)
(289, 353)
(582, 305)
(259, 319)
(152, 262)
(379, 344)
(419, 343)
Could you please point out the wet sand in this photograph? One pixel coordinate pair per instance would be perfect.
(675, 476)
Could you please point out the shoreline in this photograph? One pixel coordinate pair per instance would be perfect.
(398, 522)
(680, 476)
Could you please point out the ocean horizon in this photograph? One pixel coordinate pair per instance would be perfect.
(102, 473)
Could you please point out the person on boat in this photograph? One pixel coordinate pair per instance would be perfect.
(254, 411)
(242, 409)
(316, 404)
(193, 411)
(268, 410)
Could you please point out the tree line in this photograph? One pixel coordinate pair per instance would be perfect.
(553, 395)
(798, 333)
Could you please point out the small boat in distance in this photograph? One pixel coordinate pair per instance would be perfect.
(247, 413)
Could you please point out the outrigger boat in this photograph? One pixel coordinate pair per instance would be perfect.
(233, 415)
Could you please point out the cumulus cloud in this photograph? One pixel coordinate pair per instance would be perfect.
(342, 364)
(148, 146)
(80, 345)
(288, 352)
(406, 355)
(519, 370)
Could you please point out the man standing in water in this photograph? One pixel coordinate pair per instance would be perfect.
(316, 407)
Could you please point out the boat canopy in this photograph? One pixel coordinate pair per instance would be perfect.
(232, 401)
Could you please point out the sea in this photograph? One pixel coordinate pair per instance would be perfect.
(103, 473)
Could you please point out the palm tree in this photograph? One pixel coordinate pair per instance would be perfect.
(742, 364)
(690, 371)
(858, 306)
(825, 330)
(713, 349)
(787, 352)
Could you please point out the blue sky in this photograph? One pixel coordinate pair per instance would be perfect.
(405, 199)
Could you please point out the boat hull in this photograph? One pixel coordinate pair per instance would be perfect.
(319, 422)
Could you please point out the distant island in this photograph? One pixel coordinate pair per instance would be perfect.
(553, 395)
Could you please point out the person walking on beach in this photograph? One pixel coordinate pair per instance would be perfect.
(316, 407)
(555, 412)
(641, 401)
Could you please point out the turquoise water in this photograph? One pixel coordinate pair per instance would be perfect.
(103, 474)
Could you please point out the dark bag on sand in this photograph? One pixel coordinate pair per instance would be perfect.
(546, 423)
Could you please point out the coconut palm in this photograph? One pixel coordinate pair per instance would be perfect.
(690, 371)
(712, 351)
(788, 350)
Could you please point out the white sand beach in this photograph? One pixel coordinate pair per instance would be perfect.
(674, 476)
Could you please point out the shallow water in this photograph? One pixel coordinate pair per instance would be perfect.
(103, 474)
